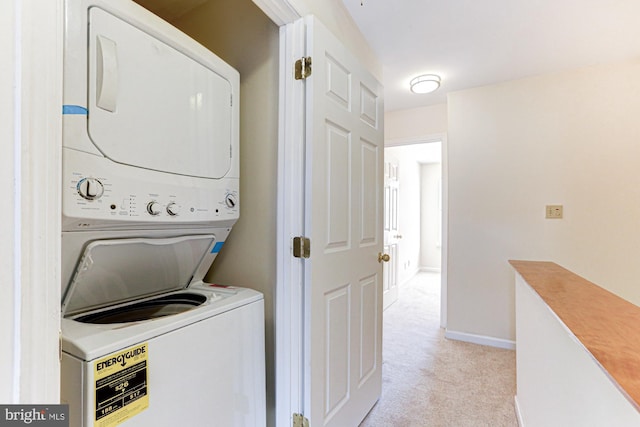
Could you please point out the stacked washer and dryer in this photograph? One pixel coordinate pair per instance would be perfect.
(150, 184)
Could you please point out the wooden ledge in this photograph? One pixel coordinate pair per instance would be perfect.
(606, 325)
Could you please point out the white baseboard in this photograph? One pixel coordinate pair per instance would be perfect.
(518, 414)
(429, 270)
(480, 339)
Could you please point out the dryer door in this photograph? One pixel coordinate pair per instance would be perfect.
(153, 106)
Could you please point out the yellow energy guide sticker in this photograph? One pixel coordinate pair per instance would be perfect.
(121, 385)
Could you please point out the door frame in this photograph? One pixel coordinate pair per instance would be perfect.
(31, 132)
(290, 375)
(442, 138)
(33, 252)
(289, 303)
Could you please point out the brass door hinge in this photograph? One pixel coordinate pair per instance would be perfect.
(303, 68)
(299, 420)
(301, 247)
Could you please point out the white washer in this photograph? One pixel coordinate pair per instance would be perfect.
(177, 357)
(150, 191)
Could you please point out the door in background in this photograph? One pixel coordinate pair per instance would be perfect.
(391, 234)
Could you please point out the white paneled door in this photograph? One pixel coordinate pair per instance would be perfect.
(343, 218)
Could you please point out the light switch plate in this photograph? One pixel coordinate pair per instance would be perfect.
(554, 212)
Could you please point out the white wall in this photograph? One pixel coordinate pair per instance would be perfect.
(430, 216)
(415, 122)
(570, 138)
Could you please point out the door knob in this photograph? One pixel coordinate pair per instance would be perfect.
(398, 236)
(383, 257)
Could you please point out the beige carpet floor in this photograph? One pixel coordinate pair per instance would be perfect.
(428, 380)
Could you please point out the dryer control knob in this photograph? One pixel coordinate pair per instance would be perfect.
(90, 188)
(231, 200)
(173, 209)
(154, 208)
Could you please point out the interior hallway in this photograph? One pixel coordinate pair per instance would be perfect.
(428, 380)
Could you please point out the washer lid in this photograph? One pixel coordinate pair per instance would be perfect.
(119, 270)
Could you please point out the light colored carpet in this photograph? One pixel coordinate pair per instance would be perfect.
(428, 380)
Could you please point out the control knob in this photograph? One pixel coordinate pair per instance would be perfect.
(154, 208)
(231, 200)
(173, 209)
(90, 188)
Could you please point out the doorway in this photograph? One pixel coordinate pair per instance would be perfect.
(415, 214)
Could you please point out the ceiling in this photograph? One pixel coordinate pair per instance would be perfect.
(472, 43)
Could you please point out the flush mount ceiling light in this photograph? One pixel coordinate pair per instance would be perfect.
(425, 83)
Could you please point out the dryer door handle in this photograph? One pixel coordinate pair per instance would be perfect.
(107, 74)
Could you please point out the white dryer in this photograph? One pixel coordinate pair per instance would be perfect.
(150, 124)
(150, 192)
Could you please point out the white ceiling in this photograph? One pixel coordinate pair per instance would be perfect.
(472, 43)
